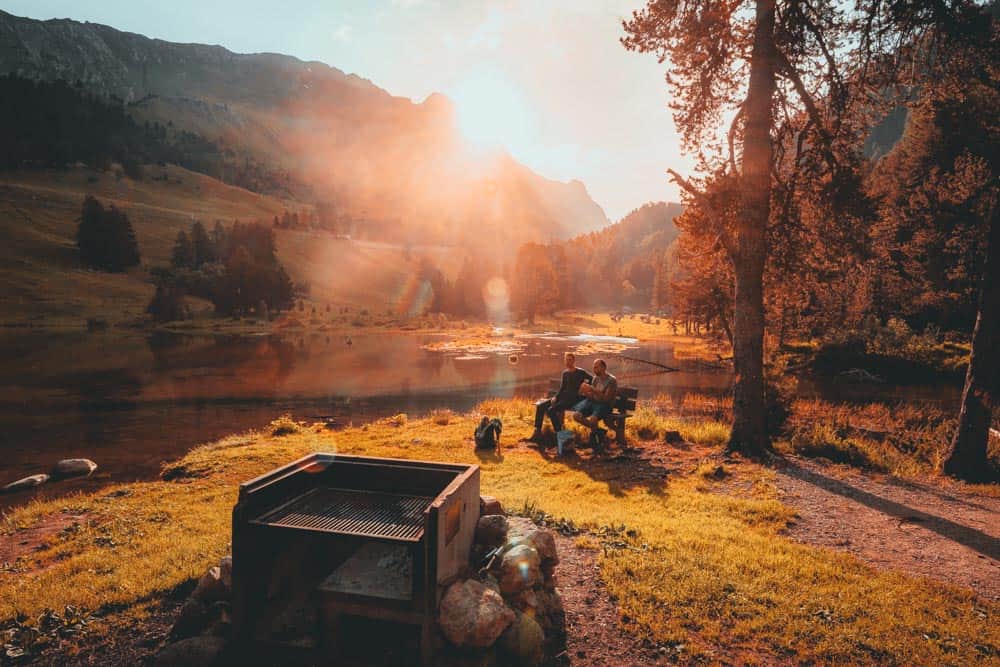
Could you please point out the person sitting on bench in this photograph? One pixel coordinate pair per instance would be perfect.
(567, 396)
(599, 397)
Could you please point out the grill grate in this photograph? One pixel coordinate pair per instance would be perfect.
(352, 512)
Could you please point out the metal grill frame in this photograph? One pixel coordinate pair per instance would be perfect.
(372, 515)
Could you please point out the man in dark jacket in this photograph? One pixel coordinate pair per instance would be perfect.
(567, 396)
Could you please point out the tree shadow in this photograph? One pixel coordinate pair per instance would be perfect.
(913, 485)
(969, 537)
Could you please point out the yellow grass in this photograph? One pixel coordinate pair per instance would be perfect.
(695, 566)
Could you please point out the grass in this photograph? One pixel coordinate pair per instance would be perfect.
(41, 277)
(692, 567)
(902, 439)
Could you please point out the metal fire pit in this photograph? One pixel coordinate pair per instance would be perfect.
(350, 535)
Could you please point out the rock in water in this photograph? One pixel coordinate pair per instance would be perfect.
(520, 569)
(491, 531)
(524, 641)
(73, 468)
(193, 652)
(26, 483)
(473, 614)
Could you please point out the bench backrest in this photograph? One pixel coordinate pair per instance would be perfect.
(624, 402)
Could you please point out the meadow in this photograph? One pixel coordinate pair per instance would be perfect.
(696, 554)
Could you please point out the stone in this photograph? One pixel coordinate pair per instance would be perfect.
(488, 505)
(519, 569)
(226, 571)
(673, 437)
(472, 614)
(191, 620)
(524, 531)
(73, 468)
(550, 612)
(192, 652)
(24, 483)
(524, 641)
(222, 619)
(211, 587)
(491, 530)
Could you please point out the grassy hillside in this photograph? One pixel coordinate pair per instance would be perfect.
(45, 285)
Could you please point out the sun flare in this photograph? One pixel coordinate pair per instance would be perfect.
(491, 113)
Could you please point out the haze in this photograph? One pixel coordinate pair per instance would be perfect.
(547, 81)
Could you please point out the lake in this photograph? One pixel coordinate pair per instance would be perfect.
(131, 402)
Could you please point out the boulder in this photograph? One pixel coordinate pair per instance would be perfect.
(226, 571)
(491, 530)
(524, 641)
(519, 569)
(524, 531)
(222, 619)
(24, 483)
(488, 505)
(191, 620)
(473, 614)
(211, 587)
(73, 468)
(193, 652)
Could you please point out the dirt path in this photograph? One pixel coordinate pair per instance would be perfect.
(932, 528)
(594, 635)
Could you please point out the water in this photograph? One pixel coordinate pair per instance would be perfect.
(131, 402)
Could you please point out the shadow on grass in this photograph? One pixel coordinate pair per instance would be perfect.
(969, 537)
(619, 467)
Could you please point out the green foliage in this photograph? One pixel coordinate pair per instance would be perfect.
(892, 351)
(168, 304)
(105, 238)
(235, 268)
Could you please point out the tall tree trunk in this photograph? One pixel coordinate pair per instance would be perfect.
(749, 434)
(966, 457)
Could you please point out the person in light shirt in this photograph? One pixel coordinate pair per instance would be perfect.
(598, 399)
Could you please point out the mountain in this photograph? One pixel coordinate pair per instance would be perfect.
(392, 169)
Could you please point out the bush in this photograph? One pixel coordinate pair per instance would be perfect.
(168, 304)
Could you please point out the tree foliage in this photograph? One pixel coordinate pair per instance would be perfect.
(105, 237)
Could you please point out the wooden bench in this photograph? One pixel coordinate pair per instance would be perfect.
(621, 410)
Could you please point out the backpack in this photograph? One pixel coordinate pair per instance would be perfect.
(488, 433)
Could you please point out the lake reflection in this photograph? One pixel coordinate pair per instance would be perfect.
(132, 402)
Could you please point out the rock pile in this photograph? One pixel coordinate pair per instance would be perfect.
(199, 634)
(512, 608)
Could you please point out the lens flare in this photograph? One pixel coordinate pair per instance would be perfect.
(496, 295)
(415, 296)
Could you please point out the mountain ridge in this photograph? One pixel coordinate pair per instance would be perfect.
(390, 160)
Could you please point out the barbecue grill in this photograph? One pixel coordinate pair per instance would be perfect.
(349, 535)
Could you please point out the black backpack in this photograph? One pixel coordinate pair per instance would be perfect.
(488, 433)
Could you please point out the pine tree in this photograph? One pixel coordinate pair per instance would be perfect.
(182, 256)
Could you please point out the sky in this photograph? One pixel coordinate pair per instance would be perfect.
(546, 79)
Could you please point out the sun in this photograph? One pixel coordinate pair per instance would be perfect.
(491, 113)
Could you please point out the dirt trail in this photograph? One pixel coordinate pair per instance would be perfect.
(933, 528)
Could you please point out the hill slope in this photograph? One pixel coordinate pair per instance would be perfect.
(43, 283)
(394, 168)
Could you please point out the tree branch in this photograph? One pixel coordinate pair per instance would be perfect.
(723, 236)
(826, 140)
